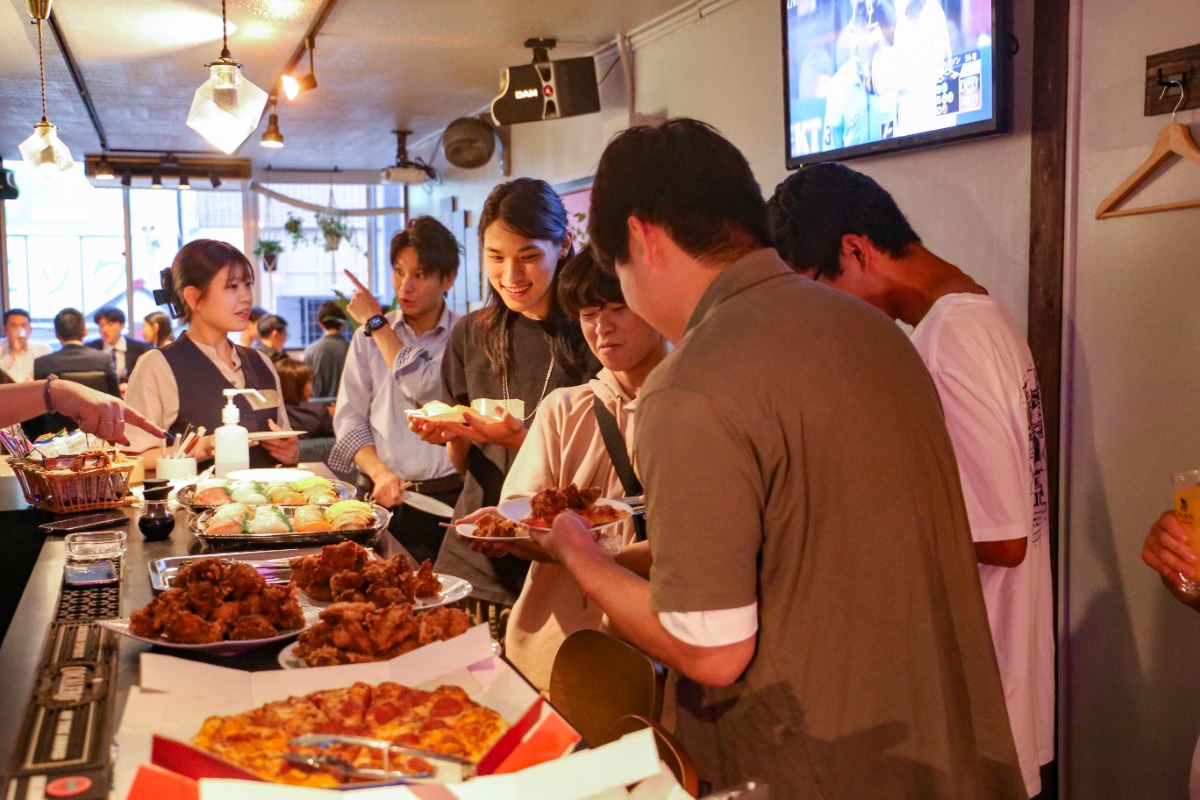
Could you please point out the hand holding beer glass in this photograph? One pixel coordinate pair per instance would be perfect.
(1186, 487)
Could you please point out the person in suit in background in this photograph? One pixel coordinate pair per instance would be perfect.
(123, 351)
(156, 329)
(327, 355)
(272, 336)
(17, 350)
(70, 328)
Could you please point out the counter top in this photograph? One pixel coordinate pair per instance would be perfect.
(35, 615)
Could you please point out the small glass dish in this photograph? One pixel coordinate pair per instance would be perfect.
(95, 545)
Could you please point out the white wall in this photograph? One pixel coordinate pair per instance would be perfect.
(969, 201)
(1133, 335)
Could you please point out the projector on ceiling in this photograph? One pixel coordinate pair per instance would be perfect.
(404, 175)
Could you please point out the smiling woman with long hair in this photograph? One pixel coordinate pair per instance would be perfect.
(210, 284)
(515, 350)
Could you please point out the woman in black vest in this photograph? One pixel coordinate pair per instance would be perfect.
(209, 286)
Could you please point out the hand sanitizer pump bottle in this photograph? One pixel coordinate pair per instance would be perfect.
(232, 443)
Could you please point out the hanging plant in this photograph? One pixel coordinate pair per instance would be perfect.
(334, 228)
(295, 229)
(268, 250)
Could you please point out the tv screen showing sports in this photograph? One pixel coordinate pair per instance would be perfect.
(868, 76)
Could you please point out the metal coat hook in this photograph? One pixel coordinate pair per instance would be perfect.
(1182, 94)
(1167, 84)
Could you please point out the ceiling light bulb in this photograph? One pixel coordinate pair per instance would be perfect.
(293, 87)
(45, 151)
(272, 137)
(104, 170)
(227, 107)
(184, 183)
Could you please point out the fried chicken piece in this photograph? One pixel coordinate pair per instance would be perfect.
(205, 570)
(439, 624)
(387, 596)
(349, 622)
(282, 607)
(391, 626)
(227, 612)
(252, 626)
(145, 622)
(202, 597)
(427, 583)
(546, 504)
(492, 525)
(324, 656)
(242, 580)
(184, 627)
(580, 499)
(347, 586)
(346, 555)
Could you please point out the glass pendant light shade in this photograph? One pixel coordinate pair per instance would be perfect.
(46, 151)
(227, 107)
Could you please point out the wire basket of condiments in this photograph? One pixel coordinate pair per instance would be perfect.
(66, 482)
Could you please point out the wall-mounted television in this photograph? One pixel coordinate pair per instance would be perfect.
(863, 77)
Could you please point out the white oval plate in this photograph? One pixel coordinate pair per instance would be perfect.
(289, 660)
(278, 474)
(224, 648)
(262, 436)
(517, 509)
(430, 505)
(467, 531)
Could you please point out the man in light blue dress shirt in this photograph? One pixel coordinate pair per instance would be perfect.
(395, 364)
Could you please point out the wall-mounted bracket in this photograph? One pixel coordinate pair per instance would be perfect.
(1174, 65)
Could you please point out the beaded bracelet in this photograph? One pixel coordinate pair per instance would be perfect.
(49, 401)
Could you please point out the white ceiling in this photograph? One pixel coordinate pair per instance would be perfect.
(381, 65)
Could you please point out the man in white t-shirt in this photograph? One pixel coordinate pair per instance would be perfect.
(17, 350)
(843, 229)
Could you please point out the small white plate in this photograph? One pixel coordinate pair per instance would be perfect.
(289, 660)
(430, 505)
(517, 509)
(261, 436)
(467, 531)
(281, 474)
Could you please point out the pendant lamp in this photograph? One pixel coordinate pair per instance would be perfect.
(44, 149)
(227, 107)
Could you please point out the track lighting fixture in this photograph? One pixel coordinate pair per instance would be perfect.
(184, 183)
(294, 86)
(214, 179)
(127, 178)
(104, 170)
(156, 180)
(271, 136)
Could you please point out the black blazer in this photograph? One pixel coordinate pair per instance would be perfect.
(133, 351)
(77, 358)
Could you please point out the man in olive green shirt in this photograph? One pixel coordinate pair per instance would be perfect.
(813, 577)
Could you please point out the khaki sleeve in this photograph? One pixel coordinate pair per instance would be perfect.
(705, 502)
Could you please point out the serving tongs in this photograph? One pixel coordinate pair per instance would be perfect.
(344, 769)
(636, 503)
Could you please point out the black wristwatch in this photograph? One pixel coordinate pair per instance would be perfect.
(373, 324)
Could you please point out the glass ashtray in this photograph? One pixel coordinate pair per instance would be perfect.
(95, 545)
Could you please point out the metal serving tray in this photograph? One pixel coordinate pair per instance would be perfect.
(186, 494)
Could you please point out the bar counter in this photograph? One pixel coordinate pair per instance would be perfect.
(23, 644)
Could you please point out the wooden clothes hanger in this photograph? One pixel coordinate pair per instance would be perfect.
(1174, 139)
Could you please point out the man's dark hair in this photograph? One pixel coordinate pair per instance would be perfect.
(685, 177)
(269, 323)
(583, 284)
(69, 325)
(16, 312)
(814, 208)
(437, 249)
(257, 313)
(330, 316)
(109, 314)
